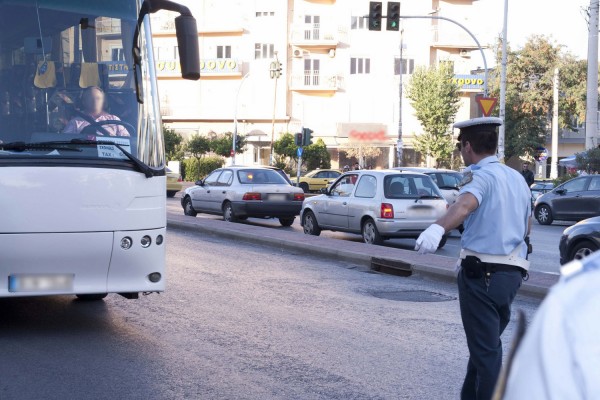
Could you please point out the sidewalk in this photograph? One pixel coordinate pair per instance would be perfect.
(380, 258)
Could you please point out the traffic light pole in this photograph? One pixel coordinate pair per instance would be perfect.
(399, 143)
(271, 158)
(235, 121)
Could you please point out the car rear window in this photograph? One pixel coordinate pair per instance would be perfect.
(404, 186)
(260, 177)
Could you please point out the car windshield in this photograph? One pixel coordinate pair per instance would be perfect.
(260, 177)
(66, 73)
(405, 186)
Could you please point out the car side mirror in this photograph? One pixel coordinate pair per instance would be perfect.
(561, 191)
(324, 191)
(199, 182)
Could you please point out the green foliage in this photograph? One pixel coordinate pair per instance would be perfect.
(174, 145)
(316, 156)
(198, 168)
(589, 160)
(436, 101)
(566, 177)
(285, 146)
(221, 144)
(198, 145)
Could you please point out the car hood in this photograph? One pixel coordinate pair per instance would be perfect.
(590, 224)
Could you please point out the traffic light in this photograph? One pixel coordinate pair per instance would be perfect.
(393, 16)
(275, 69)
(298, 139)
(306, 137)
(375, 16)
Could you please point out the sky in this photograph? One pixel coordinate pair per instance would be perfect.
(563, 20)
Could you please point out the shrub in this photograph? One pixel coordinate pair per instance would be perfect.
(199, 168)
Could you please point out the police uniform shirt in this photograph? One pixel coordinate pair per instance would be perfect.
(559, 357)
(499, 224)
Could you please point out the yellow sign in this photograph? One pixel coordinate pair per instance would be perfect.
(487, 104)
(214, 66)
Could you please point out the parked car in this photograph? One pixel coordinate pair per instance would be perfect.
(446, 179)
(379, 205)
(574, 200)
(280, 172)
(580, 240)
(318, 179)
(238, 193)
(539, 188)
(174, 182)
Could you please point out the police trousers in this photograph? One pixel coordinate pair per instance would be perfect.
(485, 312)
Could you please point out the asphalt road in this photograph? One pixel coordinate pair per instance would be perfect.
(545, 239)
(241, 321)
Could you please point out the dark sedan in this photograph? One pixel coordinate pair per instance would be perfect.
(574, 200)
(580, 240)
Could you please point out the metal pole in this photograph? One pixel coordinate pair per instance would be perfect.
(591, 114)
(554, 164)
(399, 144)
(235, 121)
(502, 129)
(485, 83)
(271, 158)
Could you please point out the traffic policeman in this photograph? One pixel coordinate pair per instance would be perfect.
(559, 357)
(494, 208)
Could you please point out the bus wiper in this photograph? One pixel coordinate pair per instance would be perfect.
(141, 166)
(22, 146)
(427, 196)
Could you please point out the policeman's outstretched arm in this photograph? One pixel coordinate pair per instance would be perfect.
(429, 240)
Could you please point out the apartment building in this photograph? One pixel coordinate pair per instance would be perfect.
(339, 79)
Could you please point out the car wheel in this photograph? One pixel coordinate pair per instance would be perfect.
(582, 250)
(543, 214)
(171, 193)
(92, 297)
(304, 186)
(443, 242)
(188, 209)
(310, 224)
(286, 221)
(228, 214)
(370, 233)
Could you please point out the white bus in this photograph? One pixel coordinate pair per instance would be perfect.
(82, 164)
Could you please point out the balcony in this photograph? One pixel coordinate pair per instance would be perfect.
(316, 36)
(313, 82)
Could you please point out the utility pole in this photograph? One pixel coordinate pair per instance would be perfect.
(235, 121)
(399, 143)
(554, 164)
(502, 129)
(275, 74)
(591, 113)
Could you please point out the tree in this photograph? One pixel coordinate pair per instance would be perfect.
(198, 145)
(173, 144)
(222, 144)
(435, 99)
(285, 146)
(316, 156)
(589, 160)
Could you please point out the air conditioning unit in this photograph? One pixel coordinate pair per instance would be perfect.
(465, 53)
(331, 53)
(297, 52)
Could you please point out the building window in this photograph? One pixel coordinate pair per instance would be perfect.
(360, 66)
(312, 27)
(312, 68)
(223, 51)
(449, 64)
(408, 66)
(359, 23)
(265, 14)
(264, 50)
(117, 54)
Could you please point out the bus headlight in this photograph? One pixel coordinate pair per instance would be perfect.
(159, 240)
(154, 277)
(146, 241)
(126, 243)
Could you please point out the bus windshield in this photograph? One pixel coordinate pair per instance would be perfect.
(66, 75)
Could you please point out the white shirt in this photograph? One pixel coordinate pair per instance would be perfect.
(559, 358)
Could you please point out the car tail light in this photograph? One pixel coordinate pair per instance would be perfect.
(250, 196)
(298, 196)
(180, 179)
(387, 211)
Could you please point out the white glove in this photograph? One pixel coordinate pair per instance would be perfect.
(429, 240)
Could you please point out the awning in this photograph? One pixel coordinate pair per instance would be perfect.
(569, 162)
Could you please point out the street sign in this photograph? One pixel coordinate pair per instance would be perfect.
(542, 154)
(487, 104)
(232, 153)
(299, 151)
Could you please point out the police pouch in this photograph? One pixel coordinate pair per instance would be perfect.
(472, 267)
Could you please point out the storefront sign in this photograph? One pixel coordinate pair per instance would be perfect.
(469, 82)
(363, 132)
(210, 66)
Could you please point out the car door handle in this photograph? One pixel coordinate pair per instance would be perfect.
(208, 191)
(224, 191)
(344, 203)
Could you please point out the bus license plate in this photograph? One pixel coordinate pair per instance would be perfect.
(40, 282)
(277, 197)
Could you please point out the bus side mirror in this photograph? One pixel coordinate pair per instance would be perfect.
(189, 51)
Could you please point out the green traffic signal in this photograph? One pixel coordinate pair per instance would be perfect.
(393, 16)
(375, 15)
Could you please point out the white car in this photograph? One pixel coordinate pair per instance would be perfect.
(379, 205)
(446, 179)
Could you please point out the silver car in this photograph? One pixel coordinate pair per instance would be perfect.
(241, 192)
(377, 204)
(447, 180)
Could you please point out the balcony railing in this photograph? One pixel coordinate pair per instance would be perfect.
(316, 34)
(314, 81)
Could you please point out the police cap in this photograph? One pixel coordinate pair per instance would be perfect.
(475, 125)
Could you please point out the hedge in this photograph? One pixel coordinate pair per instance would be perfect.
(194, 168)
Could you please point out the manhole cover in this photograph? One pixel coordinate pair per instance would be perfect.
(421, 296)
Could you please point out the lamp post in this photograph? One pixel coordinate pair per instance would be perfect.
(399, 143)
(235, 121)
(275, 73)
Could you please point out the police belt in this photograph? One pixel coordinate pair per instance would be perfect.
(511, 260)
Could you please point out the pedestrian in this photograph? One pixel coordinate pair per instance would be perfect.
(566, 363)
(527, 174)
(356, 166)
(346, 168)
(494, 208)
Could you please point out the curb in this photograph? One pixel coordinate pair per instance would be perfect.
(363, 255)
